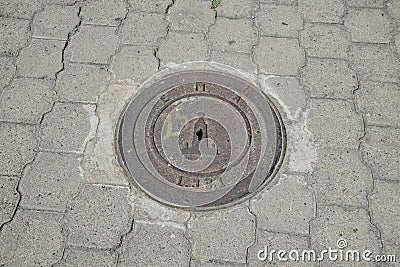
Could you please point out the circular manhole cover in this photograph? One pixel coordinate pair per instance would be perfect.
(200, 139)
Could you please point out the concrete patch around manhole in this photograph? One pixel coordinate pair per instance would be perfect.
(200, 136)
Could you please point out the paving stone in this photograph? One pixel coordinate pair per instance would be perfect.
(15, 35)
(155, 245)
(280, 21)
(50, 181)
(279, 56)
(322, 40)
(329, 78)
(229, 243)
(193, 16)
(242, 62)
(385, 213)
(32, 239)
(20, 8)
(326, 11)
(17, 144)
(26, 100)
(366, 3)
(340, 177)
(86, 257)
(334, 223)
(143, 28)
(286, 207)
(375, 62)
(280, 2)
(68, 127)
(230, 35)
(382, 152)
(393, 9)
(368, 25)
(9, 198)
(195, 263)
(183, 47)
(260, 253)
(104, 12)
(334, 123)
(135, 63)
(159, 6)
(7, 70)
(99, 216)
(238, 9)
(55, 22)
(93, 44)
(374, 98)
(288, 92)
(82, 83)
(41, 59)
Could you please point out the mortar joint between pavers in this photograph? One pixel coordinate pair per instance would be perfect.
(255, 231)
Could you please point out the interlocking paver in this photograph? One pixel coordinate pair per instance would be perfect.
(376, 62)
(41, 59)
(143, 28)
(26, 100)
(286, 207)
(183, 47)
(68, 127)
(232, 35)
(268, 241)
(238, 9)
(229, 243)
(155, 245)
(329, 78)
(353, 225)
(281, 56)
(326, 11)
(393, 9)
(9, 198)
(82, 83)
(322, 40)
(368, 25)
(159, 6)
(135, 63)
(15, 35)
(280, 21)
(87, 257)
(104, 12)
(288, 92)
(99, 216)
(20, 8)
(366, 3)
(7, 69)
(382, 152)
(384, 212)
(45, 185)
(32, 238)
(374, 98)
(196, 263)
(243, 62)
(193, 16)
(340, 177)
(17, 144)
(280, 2)
(93, 44)
(55, 22)
(334, 123)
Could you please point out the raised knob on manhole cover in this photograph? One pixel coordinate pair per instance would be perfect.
(200, 139)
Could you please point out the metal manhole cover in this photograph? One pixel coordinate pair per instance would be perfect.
(200, 139)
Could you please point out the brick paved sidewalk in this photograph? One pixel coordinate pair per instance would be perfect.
(68, 67)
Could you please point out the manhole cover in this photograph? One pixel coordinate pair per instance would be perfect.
(200, 139)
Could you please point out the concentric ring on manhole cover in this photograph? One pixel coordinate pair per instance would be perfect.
(200, 139)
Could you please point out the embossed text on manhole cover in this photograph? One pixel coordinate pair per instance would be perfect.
(200, 139)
